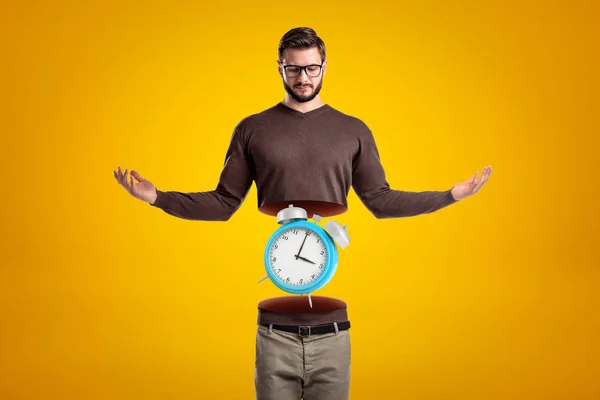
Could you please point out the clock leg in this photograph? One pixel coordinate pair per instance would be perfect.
(309, 300)
(262, 279)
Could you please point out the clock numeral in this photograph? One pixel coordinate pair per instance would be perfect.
(301, 280)
(273, 259)
(318, 240)
(313, 276)
(295, 231)
(308, 233)
(321, 266)
(279, 270)
(287, 280)
(275, 246)
(322, 252)
(284, 237)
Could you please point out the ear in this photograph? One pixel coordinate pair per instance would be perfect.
(325, 66)
(279, 68)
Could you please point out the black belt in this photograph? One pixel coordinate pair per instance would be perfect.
(305, 330)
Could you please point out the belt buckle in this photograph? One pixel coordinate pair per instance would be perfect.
(300, 330)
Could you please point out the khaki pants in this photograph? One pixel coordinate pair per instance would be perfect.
(290, 367)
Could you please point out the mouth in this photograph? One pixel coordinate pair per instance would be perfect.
(302, 87)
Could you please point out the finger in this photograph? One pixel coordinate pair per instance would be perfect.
(488, 171)
(473, 184)
(486, 174)
(134, 188)
(125, 179)
(474, 177)
(137, 176)
(120, 176)
(482, 181)
(481, 177)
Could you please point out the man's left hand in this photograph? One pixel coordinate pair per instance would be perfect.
(472, 186)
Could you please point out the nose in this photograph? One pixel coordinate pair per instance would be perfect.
(303, 77)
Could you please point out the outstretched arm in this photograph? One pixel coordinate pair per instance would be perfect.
(216, 205)
(370, 185)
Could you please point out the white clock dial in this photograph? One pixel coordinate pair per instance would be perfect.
(302, 270)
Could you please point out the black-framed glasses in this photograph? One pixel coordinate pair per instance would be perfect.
(292, 71)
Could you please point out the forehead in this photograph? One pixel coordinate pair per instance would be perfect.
(301, 56)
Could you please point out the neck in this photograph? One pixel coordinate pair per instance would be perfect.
(303, 107)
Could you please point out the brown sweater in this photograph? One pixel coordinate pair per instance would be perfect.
(307, 159)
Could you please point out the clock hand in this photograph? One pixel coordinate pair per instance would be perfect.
(305, 259)
(298, 255)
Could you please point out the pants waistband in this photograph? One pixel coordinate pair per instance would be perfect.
(307, 330)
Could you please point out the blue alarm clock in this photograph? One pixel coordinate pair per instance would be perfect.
(301, 256)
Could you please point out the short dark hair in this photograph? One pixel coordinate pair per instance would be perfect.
(301, 38)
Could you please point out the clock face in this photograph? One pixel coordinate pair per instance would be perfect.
(302, 270)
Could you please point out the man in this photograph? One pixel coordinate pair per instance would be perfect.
(302, 152)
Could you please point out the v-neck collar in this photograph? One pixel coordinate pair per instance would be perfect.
(301, 114)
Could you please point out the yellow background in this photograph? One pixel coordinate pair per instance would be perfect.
(105, 297)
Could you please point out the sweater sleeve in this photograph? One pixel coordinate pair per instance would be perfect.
(219, 204)
(370, 184)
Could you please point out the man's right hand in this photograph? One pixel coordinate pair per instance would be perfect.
(143, 190)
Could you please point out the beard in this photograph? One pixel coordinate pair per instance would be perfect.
(303, 98)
